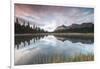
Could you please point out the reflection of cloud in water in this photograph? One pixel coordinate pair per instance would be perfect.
(24, 56)
(50, 46)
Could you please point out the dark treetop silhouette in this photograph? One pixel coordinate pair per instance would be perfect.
(21, 29)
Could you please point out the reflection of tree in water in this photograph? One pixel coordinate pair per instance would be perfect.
(22, 41)
(74, 39)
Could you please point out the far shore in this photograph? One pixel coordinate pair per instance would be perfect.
(58, 34)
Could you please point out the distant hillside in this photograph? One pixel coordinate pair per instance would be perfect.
(81, 28)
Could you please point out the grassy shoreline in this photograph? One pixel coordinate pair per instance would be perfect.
(88, 34)
(71, 35)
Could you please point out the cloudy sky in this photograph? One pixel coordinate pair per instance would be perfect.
(50, 17)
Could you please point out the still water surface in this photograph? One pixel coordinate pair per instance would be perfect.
(49, 49)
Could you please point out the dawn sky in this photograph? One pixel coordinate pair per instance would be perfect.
(50, 17)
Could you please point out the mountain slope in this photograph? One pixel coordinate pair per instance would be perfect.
(84, 27)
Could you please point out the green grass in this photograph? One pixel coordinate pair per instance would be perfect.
(80, 58)
(61, 59)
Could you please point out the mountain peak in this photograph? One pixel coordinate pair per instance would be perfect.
(62, 27)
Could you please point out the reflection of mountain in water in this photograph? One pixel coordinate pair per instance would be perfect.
(75, 40)
(23, 41)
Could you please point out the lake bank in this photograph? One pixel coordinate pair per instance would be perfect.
(83, 34)
(77, 35)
